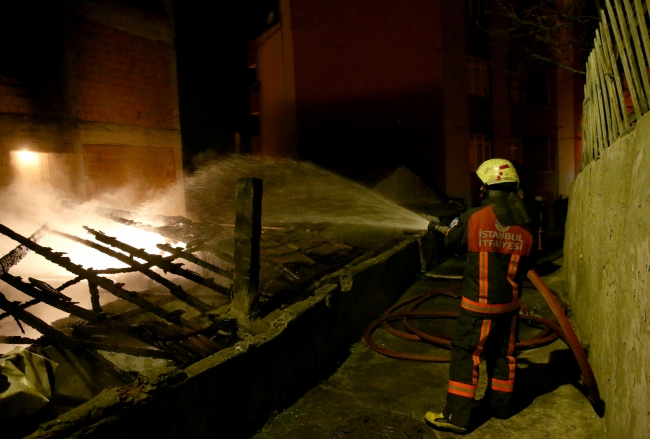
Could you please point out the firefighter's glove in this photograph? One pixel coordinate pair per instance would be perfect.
(437, 227)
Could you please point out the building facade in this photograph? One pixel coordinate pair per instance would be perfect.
(363, 86)
(88, 100)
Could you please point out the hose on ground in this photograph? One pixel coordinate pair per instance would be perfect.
(550, 333)
(543, 337)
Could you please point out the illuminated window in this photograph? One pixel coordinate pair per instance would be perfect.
(480, 149)
(478, 76)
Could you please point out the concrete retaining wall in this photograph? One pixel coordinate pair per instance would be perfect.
(607, 264)
(233, 392)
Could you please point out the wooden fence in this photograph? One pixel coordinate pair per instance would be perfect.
(617, 92)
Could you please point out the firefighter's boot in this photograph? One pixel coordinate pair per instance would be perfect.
(440, 422)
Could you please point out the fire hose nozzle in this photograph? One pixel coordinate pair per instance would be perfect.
(435, 226)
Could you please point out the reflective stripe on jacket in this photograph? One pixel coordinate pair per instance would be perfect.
(497, 260)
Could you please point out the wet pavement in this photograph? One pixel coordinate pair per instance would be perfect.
(375, 396)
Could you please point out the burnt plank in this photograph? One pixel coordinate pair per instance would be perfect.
(62, 340)
(173, 288)
(107, 284)
(248, 230)
(158, 260)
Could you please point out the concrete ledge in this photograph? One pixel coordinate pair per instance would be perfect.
(233, 392)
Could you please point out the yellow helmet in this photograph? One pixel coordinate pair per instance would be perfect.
(496, 171)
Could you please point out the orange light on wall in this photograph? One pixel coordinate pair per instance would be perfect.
(28, 166)
(27, 158)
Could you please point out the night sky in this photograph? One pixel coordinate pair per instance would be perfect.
(214, 79)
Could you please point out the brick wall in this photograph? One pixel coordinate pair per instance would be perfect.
(122, 78)
(5, 172)
(145, 168)
(13, 98)
(368, 79)
(60, 171)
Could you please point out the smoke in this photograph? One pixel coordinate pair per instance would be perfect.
(294, 193)
(26, 207)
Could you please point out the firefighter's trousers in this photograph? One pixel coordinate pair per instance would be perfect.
(492, 339)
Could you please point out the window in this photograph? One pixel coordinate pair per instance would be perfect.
(533, 89)
(477, 8)
(544, 156)
(516, 151)
(480, 149)
(540, 153)
(478, 76)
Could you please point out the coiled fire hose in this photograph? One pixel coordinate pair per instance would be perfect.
(561, 328)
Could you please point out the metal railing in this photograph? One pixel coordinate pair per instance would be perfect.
(617, 89)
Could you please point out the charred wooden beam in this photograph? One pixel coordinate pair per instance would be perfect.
(180, 351)
(163, 231)
(179, 252)
(103, 318)
(230, 259)
(173, 288)
(12, 339)
(69, 283)
(196, 339)
(62, 340)
(129, 350)
(97, 210)
(159, 261)
(132, 313)
(47, 294)
(107, 284)
(177, 228)
(186, 349)
(162, 348)
(44, 293)
(226, 257)
(222, 255)
(248, 230)
(115, 270)
(17, 254)
(83, 330)
(126, 269)
(24, 305)
(127, 218)
(94, 297)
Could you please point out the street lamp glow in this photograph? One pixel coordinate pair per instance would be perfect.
(27, 157)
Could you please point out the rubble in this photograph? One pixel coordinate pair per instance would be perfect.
(183, 319)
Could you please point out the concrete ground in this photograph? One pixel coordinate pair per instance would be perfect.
(375, 396)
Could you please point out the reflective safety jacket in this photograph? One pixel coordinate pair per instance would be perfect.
(497, 260)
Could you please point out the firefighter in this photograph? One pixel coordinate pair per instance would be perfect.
(496, 243)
